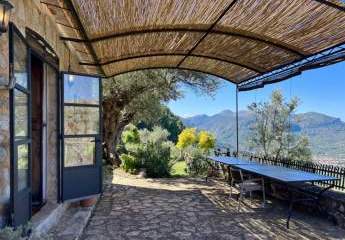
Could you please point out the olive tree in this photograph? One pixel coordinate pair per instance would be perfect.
(271, 133)
(140, 93)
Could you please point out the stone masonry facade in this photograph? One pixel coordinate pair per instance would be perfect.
(34, 15)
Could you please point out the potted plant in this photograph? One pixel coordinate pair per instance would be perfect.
(88, 202)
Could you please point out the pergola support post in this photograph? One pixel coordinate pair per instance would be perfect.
(237, 144)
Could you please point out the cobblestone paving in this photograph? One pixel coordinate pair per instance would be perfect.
(133, 208)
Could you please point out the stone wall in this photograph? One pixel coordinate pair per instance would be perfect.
(34, 15)
(4, 131)
(4, 155)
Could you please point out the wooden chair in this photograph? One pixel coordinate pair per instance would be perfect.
(245, 184)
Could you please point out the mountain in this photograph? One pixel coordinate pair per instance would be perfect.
(326, 133)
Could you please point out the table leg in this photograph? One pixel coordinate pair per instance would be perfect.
(291, 201)
(229, 181)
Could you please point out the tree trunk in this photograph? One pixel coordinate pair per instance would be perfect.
(111, 114)
(115, 120)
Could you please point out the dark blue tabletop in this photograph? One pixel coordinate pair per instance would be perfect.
(284, 174)
(230, 160)
(278, 173)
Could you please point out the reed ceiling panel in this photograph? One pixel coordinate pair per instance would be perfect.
(141, 63)
(257, 54)
(80, 47)
(229, 71)
(340, 3)
(108, 16)
(308, 24)
(239, 39)
(92, 70)
(148, 43)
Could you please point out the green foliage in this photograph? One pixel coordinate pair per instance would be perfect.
(194, 148)
(166, 119)
(271, 133)
(10, 233)
(176, 154)
(196, 161)
(130, 135)
(157, 136)
(130, 163)
(179, 169)
(155, 153)
(187, 138)
(152, 152)
(156, 159)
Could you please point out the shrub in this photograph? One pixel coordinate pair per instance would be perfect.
(193, 149)
(147, 149)
(176, 154)
(156, 159)
(158, 135)
(130, 135)
(196, 161)
(130, 163)
(20, 233)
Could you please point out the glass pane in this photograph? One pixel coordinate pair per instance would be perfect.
(81, 120)
(20, 114)
(81, 89)
(20, 61)
(79, 151)
(23, 166)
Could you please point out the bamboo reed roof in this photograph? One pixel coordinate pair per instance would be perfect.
(238, 40)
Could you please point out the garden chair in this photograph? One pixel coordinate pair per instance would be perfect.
(245, 184)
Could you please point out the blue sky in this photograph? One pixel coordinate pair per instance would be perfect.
(320, 90)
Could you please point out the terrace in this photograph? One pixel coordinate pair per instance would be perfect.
(189, 208)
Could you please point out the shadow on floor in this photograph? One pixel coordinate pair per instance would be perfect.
(133, 208)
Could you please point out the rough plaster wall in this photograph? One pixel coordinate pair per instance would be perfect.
(31, 14)
(52, 135)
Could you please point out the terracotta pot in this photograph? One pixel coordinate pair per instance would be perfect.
(88, 202)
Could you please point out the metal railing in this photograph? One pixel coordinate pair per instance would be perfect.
(322, 169)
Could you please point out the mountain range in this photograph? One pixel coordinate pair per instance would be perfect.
(326, 133)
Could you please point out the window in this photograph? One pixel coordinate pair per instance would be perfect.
(79, 151)
(21, 114)
(23, 166)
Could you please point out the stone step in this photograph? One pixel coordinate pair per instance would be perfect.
(71, 224)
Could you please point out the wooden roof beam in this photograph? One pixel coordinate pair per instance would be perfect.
(249, 36)
(83, 33)
(331, 4)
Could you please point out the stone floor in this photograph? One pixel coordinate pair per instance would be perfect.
(134, 208)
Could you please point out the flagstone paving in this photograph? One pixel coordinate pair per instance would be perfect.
(135, 208)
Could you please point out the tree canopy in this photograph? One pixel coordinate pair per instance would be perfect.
(164, 118)
(271, 133)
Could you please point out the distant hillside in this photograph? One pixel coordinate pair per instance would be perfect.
(326, 133)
